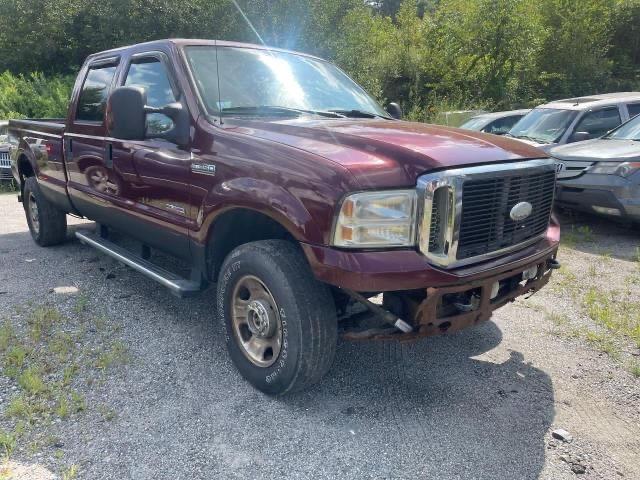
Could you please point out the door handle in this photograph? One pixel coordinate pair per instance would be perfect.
(108, 155)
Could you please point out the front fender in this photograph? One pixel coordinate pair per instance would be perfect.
(264, 197)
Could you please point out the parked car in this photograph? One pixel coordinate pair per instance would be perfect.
(5, 165)
(497, 123)
(603, 175)
(297, 193)
(575, 119)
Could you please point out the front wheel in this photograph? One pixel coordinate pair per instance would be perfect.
(280, 322)
(47, 223)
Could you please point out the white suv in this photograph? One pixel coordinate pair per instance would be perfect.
(575, 119)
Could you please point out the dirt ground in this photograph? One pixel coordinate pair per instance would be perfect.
(105, 375)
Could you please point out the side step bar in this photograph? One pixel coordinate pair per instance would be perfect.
(178, 285)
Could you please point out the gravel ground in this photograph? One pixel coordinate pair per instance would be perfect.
(479, 404)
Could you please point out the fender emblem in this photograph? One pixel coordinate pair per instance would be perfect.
(520, 211)
(205, 168)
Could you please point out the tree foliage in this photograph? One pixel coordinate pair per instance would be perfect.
(427, 54)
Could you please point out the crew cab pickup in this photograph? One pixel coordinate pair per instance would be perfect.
(274, 176)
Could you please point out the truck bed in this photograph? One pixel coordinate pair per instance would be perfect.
(54, 126)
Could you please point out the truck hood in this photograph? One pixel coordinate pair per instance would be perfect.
(604, 150)
(386, 153)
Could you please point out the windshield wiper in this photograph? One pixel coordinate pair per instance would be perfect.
(269, 109)
(357, 113)
(525, 137)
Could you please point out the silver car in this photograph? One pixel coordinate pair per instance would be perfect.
(602, 176)
(575, 119)
(5, 165)
(497, 123)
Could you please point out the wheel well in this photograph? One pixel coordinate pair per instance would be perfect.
(237, 227)
(25, 170)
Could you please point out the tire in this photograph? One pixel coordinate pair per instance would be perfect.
(47, 223)
(302, 307)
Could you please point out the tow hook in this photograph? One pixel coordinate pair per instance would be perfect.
(553, 264)
(385, 315)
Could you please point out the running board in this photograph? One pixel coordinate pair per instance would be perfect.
(178, 285)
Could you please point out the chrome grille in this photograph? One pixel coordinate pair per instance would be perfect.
(486, 225)
(572, 168)
(467, 212)
(4, 160)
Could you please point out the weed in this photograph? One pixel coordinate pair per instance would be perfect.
(82, 302)
(635, 369)
(107, 413)
(117, 354)
(31, 381)
(6, 336)
(78, 402)
(7, 443)
(15, 360)
(602, 342)
(61, 345)
(41, 321)
(70, 473)
(62, 408)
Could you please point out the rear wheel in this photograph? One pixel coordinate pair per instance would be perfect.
(280, 322)
(47, 223)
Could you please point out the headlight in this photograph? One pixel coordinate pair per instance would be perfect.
(624, 169)
(377, 219)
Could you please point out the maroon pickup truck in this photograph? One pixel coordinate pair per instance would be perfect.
(273, 175)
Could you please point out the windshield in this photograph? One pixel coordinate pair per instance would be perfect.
(243, 80)
(476, 123)
(544, 125)
(4, 130)
(627, 131)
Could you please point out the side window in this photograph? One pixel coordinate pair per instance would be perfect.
(634, 109)
(599, 122)
(151, 74)
(93, 95)
(501, 125)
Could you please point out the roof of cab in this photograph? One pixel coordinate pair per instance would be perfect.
(599, 100)
(181, 42)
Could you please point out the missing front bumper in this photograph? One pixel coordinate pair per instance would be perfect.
(437, 311)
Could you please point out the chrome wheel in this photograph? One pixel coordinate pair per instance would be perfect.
(256, 323)
(33, 213)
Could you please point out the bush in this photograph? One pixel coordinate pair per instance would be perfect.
(35, 95)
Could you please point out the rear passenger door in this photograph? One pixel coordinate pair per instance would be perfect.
(84, 139)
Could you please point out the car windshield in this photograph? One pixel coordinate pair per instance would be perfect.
(476, 123)
(627, 131)
(544, 125)
(249, 81)
(4, 130)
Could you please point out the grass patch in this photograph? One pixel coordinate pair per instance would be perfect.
(614, 312)
(70, 472)
(602, 342)
(581, 234)
(48, 356)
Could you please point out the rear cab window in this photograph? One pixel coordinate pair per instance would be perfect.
(94, 93)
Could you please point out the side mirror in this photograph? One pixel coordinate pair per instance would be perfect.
(127, 117)
(395, 110)
(580, 136)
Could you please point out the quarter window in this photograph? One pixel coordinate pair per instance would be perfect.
(151, 74)
(634, 109)
(94, 93)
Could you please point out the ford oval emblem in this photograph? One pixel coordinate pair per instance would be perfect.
(520, 211)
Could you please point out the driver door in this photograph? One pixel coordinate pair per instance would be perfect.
(152, 175)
